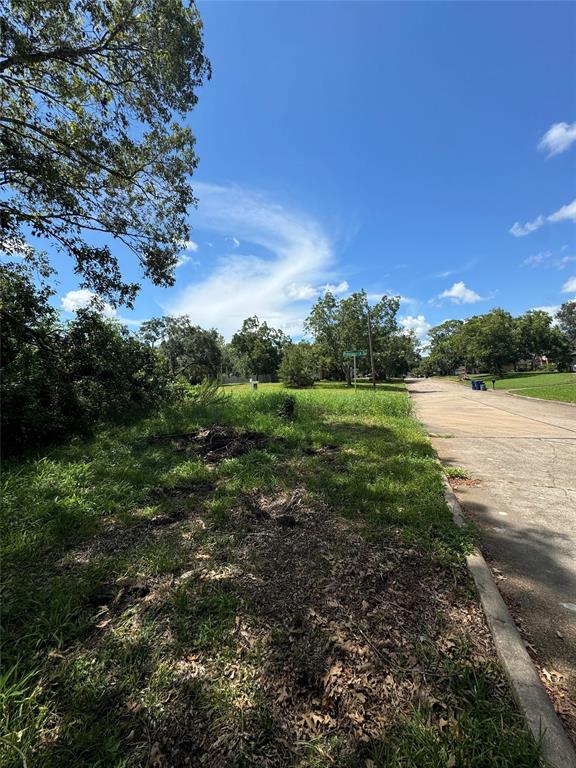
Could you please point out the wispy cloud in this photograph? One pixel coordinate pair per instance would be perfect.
(460, 294)
(566, 213)
(521, 230)
(558, 138)
(536, 259)
(302, 292)
(547, 259)
(569, 286)
(275, 286)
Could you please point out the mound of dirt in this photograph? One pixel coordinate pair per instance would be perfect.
(216, 443)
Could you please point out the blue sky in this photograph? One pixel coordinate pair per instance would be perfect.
(385, 146)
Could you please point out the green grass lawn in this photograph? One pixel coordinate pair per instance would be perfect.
(548, 386)
(171, 601)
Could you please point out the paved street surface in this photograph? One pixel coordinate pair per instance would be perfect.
(524, 454)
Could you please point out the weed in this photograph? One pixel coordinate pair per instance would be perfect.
(458, 472)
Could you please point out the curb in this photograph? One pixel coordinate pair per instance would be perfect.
(541, 399)
(527, 688)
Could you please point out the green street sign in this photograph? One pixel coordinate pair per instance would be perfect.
(357, 353)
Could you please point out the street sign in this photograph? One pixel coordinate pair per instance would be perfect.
(356, 353)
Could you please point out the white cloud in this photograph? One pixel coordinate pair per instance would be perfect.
(521, 230)
(460, 294)
(15, 247)
(75, 300)
(302, 292)
(417, 323)
(235, 242)
(188, 245)
(184, 259)
(569, 286)
(566, 213)
(552, 310)
(337, 288)
(298, 256)
(558, 138)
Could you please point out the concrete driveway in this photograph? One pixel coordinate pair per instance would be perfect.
(523, 452)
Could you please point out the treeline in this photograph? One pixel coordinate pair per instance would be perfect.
(63, 377)
(496, 341)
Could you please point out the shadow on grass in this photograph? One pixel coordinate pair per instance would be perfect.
(176, 626)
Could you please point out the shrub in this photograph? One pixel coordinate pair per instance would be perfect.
(296, 368)
(59, 378)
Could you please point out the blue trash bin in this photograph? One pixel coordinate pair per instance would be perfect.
(474, 384)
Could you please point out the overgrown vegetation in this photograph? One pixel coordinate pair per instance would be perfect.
(59, 378)
(294, 596)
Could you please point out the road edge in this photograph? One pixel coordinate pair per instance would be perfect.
(527, 688)
(540, 399)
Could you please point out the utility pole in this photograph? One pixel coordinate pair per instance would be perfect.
(370, 347)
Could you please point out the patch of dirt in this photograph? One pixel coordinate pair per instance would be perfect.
(196, 489)
(116, 537)
(324, 450)
(463, 482)
(217, 443)
(335, 636)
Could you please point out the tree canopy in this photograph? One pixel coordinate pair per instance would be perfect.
(257, 348)
(92, 141)
(492, 341)
(566, 317)
(340, 325)
(191, 351)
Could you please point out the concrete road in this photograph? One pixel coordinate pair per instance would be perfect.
(523, 452)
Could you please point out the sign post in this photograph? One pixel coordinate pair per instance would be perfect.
(354, 353)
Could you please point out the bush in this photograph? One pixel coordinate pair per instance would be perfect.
(297, 368)
(58, 379)
(287, 409)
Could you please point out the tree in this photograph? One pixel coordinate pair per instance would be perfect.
(340, 325)
(534, 335)
(92, 141)
(258, 348)
(297, 366)
(446, 348)
(191, 351)
(323, 323)
(489, 341)
(566, 318)
(400, 356)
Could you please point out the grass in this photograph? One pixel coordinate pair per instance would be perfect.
(159, 609)
(457, 472)
(547, 386)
